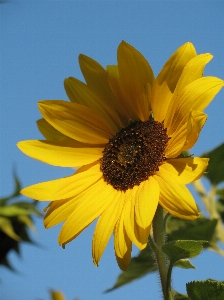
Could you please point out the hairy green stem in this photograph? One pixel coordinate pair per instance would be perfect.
(169, 273)
(159, 239)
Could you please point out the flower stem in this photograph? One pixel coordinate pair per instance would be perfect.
(159, 239)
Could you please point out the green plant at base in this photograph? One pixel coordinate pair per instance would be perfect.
(15, 220)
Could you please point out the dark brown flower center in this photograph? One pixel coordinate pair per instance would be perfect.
(134, 154)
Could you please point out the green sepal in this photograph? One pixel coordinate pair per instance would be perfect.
(181, 249)
(214, 171)
(178, 296)
(206, 290)
(184, 264)
(139, 266)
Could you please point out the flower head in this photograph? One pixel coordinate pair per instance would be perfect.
(125, 131)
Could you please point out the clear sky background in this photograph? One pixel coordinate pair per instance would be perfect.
(40, 44)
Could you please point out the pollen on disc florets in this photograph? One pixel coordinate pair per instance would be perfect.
(133, 154)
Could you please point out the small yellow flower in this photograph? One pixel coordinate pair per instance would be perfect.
(57, 295)
(125, 132)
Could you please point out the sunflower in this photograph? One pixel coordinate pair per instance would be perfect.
(124, 131)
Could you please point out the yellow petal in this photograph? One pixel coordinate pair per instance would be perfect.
(165, 83)
(123, 107)
(92, 203)
(193, 70)
(147, 198)
(175, 197)
(173, 68)
(185, 134)
(129, 219)
(80, 93)
(76, 121)
(195, 123)
(129, 215)
(105, 226)
(195, 96)
(60, 153)
(124, 261)
(177, 139)
(160, 100)
(135, 77)
(136, 234)
(187, 169)
(120, 244)
(96, 77)
(59, 211)
(65, 187)
(49, 132)
(142, 235)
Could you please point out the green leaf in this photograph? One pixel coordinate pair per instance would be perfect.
(178, 296)
(19, 208)
(15, 193)
(13, 210)
(30, 206)
(139, 266)
(206, 290)
(182, 249)
(7, 227)
(215, 170)
(200, 229)
(27, 221)
(5, 263)
(184, 264)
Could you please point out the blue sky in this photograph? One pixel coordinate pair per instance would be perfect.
(40, 44)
